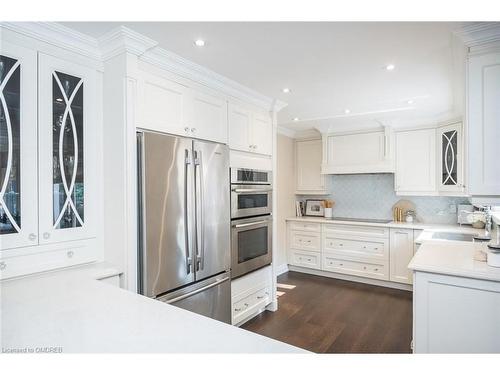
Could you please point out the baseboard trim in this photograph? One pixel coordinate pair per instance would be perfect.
(281, 269)
(334, 275)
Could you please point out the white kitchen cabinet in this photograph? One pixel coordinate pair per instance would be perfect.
(249, 130)
(401, 252)
(67, 150)
(483, 133)
(360, 152)
(308, 177)
(18, 141)
(416, 162)
(455, 314)
(209, 117)
(164, 105)
(450, 158)
(172, 107)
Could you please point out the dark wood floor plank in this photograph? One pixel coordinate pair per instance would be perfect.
(327, 315)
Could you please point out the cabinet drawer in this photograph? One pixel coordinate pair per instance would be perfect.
(305, 240)
(354, 267)
(309, 227)
(45, 257)
(356, 231)
(374, 249)
(307, 259)
(112, 280)
(248, 305)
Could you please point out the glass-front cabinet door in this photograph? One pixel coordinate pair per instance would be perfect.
(450, 158)
(67, 150)
(18, 147)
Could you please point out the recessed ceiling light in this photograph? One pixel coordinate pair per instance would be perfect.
(347, 111)
(295, 119)
(410, 101)
(286, 90)
(199, 42)
(390, 67)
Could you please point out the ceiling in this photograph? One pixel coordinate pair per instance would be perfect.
(328, 66)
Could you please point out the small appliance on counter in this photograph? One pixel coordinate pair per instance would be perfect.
(404, 211)
(251, 220)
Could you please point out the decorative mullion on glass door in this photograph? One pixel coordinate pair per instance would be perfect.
(449, 144)
(67, 149)
(10, 153)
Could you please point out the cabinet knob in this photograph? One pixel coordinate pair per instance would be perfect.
(255, 147)
(308, 259)
(237, 309)
(3, 266)
(193, 130)
(376, 269)
(186, 129)
(341, 264)
(70, 254)
(46, 235)
(32, 236)
(341, 244)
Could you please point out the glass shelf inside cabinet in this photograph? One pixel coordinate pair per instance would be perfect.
(10, 174)
(67, 142)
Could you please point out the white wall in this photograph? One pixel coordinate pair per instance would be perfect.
(285, 181)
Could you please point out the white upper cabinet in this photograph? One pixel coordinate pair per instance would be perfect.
(209, 117)
(164, 105)
(416, 162)
(450, 158)
(360, 152)
(18, 147)
(67, 150)
(483, 133)
(240, 120)
(308, 156)
(401, 245)
(250, 130)
(171, 107)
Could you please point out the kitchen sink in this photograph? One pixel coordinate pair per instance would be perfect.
(451, 236)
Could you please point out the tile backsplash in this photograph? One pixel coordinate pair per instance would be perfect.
(371, 196)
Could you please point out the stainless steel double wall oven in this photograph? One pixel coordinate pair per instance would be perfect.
(251, 220)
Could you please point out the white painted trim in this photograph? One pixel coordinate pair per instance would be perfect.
(58, 35)
(121, 40)
(176, 64)
(281, 269)
(479, 33)
(286, 132)
(334, 275)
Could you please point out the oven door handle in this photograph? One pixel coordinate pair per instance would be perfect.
(237, 190)
(250, 224)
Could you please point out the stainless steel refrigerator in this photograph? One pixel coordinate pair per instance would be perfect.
(184, 223)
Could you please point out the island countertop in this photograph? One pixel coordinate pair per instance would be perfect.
(72, 311)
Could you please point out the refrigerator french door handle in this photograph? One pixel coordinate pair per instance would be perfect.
(190, 294)
(187, 163)
(200, 245)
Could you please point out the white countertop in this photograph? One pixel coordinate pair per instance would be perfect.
(453, 258)
(392, 224)
(72, 310)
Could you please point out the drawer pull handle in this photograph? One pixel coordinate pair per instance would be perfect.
(237, 309)
(32, 236)
(3, 266)
(46, 235)
(376, 269)
(70, 254)
(308, 259)
(341, 264)
(375, 248)
(364, 247)
(260, 297)
(341, 244)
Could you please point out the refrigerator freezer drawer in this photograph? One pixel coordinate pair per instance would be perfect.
(211, 298)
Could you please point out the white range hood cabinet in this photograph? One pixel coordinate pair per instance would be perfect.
(355, 152)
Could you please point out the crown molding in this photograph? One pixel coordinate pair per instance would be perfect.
(479, 33)
(176, 64)
(56, 34)
(286, 132)
(121, 40)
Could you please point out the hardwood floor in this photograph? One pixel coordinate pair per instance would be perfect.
(327, 315)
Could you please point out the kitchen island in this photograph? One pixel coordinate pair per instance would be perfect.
(456, 300)
(69, 311)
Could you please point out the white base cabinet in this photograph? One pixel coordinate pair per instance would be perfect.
(250, 294)
(371, 252)
(402, 250)
(455, 315)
